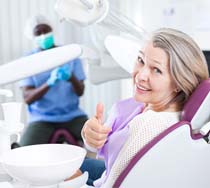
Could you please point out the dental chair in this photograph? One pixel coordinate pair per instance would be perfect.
(179, 156)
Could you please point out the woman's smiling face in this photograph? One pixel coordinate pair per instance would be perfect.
(153, 84)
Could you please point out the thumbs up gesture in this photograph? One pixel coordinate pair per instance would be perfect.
(95, 133)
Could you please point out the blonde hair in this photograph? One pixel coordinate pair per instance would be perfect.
(188, 66)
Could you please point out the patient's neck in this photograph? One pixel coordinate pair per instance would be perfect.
(174, 107)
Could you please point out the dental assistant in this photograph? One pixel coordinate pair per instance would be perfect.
(52, 97)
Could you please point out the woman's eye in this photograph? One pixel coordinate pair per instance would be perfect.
(156, 70)
(140, 60)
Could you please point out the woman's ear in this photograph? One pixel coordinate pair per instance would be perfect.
(177, 90)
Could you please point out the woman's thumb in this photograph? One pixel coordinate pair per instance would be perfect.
(99, 112)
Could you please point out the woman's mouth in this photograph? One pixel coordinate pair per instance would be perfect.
(142, 88)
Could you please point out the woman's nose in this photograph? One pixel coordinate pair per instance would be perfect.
(143, 74)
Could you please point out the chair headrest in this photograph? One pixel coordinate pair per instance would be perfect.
(197, 109)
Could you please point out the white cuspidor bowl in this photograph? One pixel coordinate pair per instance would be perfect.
(45, 164)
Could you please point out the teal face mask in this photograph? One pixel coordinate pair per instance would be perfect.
(45, 41)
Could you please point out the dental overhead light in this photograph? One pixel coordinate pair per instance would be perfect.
(104, 20)
(90, 12)
(82, 12)
(123, 50)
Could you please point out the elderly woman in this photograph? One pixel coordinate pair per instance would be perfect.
(168, 69)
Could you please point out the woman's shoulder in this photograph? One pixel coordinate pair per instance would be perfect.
(166, 115)
(167, 118)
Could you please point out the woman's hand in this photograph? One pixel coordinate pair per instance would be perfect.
(94, 132)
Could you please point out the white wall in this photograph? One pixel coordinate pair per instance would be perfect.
(190, 16)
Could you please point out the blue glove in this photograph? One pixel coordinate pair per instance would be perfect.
(65, 72)
(60, 73)
(53, 77)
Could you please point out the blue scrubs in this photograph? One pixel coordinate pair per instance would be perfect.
(60, 103)
(59, 107)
